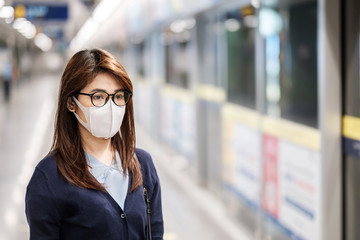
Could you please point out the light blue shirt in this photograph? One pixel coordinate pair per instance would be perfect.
(111, 177)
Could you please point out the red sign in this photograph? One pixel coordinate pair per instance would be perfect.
(271, 179)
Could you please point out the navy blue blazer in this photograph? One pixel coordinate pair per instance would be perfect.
(56, 209)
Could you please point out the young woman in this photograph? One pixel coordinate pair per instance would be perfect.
(90, 186)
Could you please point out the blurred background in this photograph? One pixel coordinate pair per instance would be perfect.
(249, 108)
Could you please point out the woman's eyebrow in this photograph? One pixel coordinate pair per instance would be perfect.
(97, 89)
(103, 90)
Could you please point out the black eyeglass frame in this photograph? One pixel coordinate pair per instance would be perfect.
(107, 98)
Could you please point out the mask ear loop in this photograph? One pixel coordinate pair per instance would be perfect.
(84, 110)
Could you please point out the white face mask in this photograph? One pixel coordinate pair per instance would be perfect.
(102, 122)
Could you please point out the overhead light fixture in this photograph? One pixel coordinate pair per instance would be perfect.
(25, 27)
(178, 26)
(270, 22)
(232, 25)
(255, 3)
(86, 31)
(43, 42)
(18, 23)
(102, 12)
(6, 12)
(181, 25)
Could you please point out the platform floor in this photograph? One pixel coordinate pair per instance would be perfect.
(26, 128)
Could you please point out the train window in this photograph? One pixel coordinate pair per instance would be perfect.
(156, 59)
(177, 39)
(2, 43)
(240, 26)
(139, 45)
(134, 57)
(209, 49)
(290, 34)
(352, 61)
(351, 96)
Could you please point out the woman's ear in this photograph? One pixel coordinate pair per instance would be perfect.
(71, 105)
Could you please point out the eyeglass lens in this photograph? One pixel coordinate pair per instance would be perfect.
(100, 98)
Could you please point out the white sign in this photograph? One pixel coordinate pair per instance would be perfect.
(299, 190)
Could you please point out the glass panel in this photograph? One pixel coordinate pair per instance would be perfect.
(178, 38)
(351, 163)
(157, 60)
(207, 48)
(240, 26)
(352, 61)
(290, 34)
(134, 55)
(139, 48)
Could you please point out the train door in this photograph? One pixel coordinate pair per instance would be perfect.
(210, 97)
(351, 120)
(291, 194)
(301, 193)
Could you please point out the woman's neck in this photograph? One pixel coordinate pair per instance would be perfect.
(100, 148)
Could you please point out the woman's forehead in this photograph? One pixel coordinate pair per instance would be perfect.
(104, 81)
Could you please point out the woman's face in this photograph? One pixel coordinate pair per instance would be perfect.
(102, 82)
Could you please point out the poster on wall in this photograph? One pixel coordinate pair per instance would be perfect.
(241, 148)
(300, 195)
(186, 142)
(144, 106)
(166, 118)
(242, 161)
(292, 187)
(245, 147)
(271, 176)
(178, 125)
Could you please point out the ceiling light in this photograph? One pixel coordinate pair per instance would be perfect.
(270, 22)
(232, 25)
(43, 42)
(25, 27)
(178, 26)
(6, 12)
(102, 12)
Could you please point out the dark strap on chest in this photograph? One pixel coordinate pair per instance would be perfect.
(148, 212)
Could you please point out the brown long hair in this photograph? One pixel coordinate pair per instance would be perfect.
(82, 68)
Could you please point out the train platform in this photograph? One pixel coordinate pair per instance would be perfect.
(26, 128)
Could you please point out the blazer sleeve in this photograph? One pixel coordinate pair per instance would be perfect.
(152, 183)
(157, 225)
(42, 212)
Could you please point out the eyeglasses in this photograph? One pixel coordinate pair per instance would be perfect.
(100, 98)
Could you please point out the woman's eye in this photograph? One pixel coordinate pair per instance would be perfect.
(98, 97)
(119, 96)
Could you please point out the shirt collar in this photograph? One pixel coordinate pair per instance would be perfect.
(98, 168)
